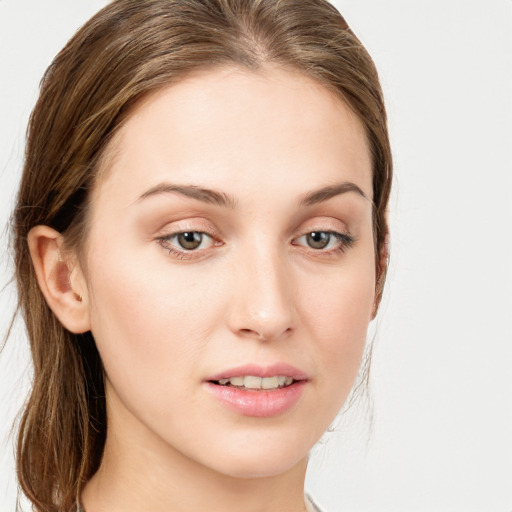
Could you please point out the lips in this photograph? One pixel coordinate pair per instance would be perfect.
(279, 369)
(257, 391)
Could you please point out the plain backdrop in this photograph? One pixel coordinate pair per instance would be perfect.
(441, 436)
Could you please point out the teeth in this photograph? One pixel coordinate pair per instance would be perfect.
(237, 381)
(270, 382)
(253, 382)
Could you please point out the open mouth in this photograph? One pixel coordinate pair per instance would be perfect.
(271, 393)
(254, 383)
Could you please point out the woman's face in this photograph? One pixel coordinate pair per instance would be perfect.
(230, 248)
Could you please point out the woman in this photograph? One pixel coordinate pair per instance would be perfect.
(200, 243)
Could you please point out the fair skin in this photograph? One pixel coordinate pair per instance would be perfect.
(271, 273)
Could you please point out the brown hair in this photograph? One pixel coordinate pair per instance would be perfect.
(128, 49)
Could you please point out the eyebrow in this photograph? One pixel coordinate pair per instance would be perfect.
(210, 196)
(325, 193)
(201, 194)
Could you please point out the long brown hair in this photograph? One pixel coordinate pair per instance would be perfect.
(128, 49)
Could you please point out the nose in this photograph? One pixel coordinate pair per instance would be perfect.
(264, 304)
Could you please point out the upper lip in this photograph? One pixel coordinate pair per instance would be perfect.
(278, 369)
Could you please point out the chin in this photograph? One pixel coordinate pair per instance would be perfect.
(258, 456)
(258, 466)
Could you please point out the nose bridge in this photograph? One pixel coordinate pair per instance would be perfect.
(264, 306)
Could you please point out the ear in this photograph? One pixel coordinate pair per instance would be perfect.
(381, 276)
(60, 279)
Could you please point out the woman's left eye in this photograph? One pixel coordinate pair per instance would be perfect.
(325, 241)
(186, 241)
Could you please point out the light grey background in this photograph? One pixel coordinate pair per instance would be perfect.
(442, 368)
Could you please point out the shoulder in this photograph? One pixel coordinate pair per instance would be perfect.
(312, 505)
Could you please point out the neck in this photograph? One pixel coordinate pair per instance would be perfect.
(140, 471)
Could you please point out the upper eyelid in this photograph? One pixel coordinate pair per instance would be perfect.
(170, 234)
(199, 222)
(345, 238)
(341, 236)
(204, 225)
(176, 233)
(176, 227)
(215, 234)
(343, 231)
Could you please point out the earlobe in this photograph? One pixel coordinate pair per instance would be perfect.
(60, 279)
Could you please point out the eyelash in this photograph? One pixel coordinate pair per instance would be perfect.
(185, 253)
(345, 242)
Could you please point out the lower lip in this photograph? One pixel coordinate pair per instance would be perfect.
(258, 403)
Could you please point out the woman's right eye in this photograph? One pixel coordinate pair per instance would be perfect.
(190, 240)
(182, 243)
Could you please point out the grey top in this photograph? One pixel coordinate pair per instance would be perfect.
(314, 506)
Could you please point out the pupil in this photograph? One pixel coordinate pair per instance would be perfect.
(190, 239)
(318, 239)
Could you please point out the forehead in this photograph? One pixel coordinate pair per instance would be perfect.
(227, 125)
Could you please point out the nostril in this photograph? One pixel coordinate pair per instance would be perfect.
(253, 333)
(264, 335)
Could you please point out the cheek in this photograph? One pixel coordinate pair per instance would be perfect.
(337, 313)
(144, 318)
